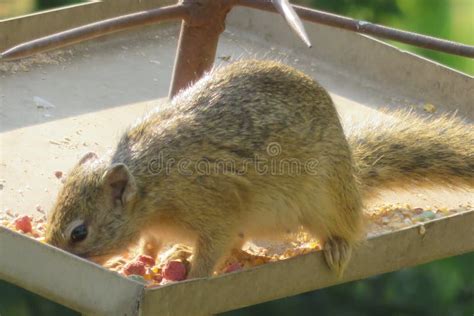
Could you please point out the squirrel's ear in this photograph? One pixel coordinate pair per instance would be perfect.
(119, 183)
(87, 157)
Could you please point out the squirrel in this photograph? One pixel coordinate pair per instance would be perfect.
(252, 150)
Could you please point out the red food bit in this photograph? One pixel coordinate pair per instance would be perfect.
(24, 224)
(174, 271)
(147, 260)
(233, 267)
(58, 174)
(135, 267)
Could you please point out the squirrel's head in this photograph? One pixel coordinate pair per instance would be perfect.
(91, 215)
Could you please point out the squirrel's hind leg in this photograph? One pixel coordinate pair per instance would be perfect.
(337, 252)
(338, 227)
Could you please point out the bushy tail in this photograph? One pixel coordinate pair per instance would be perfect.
(412, 150)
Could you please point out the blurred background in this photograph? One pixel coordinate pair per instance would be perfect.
(445, 287)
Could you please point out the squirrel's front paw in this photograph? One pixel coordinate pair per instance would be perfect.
(337, 252)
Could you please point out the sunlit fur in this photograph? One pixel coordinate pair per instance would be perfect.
(234, 113)
(411, 150)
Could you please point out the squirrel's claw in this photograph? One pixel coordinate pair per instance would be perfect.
(337, 253)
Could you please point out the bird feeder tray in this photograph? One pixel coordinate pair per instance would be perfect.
(57, 105)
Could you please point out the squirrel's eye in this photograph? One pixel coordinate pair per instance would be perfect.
(79, 233)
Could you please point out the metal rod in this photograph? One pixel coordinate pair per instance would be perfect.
(94, 30)
(369, 28)
(293, 20)
(195, 55)
(198, 41)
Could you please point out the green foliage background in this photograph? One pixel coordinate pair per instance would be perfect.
(448, 19)
(47, 4)
(445, 287)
